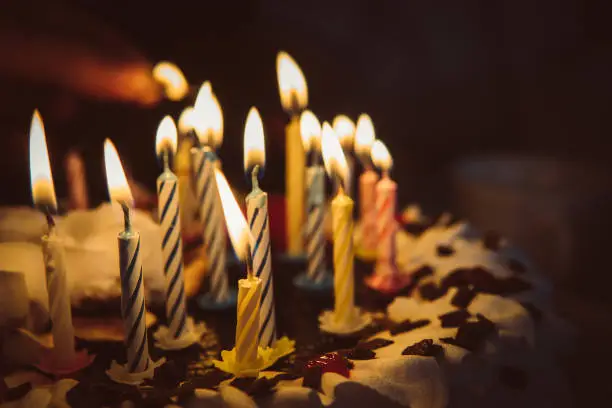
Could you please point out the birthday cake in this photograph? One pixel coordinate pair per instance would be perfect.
(474, 328)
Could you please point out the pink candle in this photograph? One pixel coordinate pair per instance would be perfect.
(367, 208)
(386, 197)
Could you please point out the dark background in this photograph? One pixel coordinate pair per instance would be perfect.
(443, 81)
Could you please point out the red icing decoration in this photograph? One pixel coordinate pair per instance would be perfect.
(330, 363)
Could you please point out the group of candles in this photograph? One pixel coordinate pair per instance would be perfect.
(307, 142)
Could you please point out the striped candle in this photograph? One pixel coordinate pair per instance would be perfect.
(132, 299)
(315, 236)
(386, 191)
(247, 323)
(59, 300)
(172, 252)
(211, 216)
(257, 217)
(344, 280)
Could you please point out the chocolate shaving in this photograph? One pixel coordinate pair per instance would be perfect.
(513, 377)
(472, 335)
(312, 377)
(254, 386)
(407, 326)
(483, 281)
(492, 240)
(534, 312)
(15, 393)
(422, 272)
(445, 250)
(415, 229)
(210, 379)
(375, 344)
(425, 348)
(431, 292)
(463, 297)
(358, 354)
(517, 266)
(454, 319)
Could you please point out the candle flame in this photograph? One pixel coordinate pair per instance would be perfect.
(43, 190)
(310, 129)
(254, 143)
(118, 187)
(166, 138)
(364, 135)
(171, 78)
(236, 223)
(345, 130)
(381, 156)
(187, 120)
(208, 117)
(291, 83)
(333, 156)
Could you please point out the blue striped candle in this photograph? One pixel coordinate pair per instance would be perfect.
(257, 215)
(211, 216)
(133, 308)
(315, 237)
(172, 252)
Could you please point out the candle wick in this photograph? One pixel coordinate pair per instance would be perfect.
(386, 173)
(249, 263)
(50, 220)
(254, 177)
(166, 159)
(126, 216)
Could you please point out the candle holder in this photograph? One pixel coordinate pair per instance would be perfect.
(357, 321)
(387, 277)
(165, 339)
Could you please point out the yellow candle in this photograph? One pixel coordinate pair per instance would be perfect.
(294, 98)
(344, 280)
(247, 322)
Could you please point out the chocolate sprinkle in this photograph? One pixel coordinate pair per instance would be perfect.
(407, 326)
(254, 386)
(425, 348)
(483, 281)
(454, 319)
(517, 266)
(210, 379)
(463, 297)
(375, 344)
(513, 377)
(445, 250)
(422, 272)
(358, 353)
(492, 240)
(472, 335)
(534, 312)
(431, 292)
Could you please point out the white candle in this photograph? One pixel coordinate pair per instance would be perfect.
(257, 216)
(133, 309)
(43, 194)
(209, 130)
(170, 223)
(294, 99)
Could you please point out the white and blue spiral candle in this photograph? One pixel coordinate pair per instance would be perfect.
(170, 226)
(133, 309)
(208, 126)
(258, 221)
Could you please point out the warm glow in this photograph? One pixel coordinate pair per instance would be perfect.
(43, 191)
(345, 130)
(381, 156)
(291, 83)
(254, 145)
(333, 156)
(310, 129)
(187, 120)
(118, 188)
(208, 117)
(364, 135)
(172, 79)
(236, 223)
(166, 136)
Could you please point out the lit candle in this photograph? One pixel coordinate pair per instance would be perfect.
(182, 167)
(133, 308)
(315, 202)
(386, 276)
(345, 130)
(342, 224)
(43, 194)
(171, 78)
(249, 289)
(170, 223)
(294, 99)
(364, 137)
(257, 215)
(208, 127)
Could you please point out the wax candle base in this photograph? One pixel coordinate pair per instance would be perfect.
(266, 357)
(358, 321)
(120, 374)
(48, 364)
(326, 284)
(387, 279)
(166, 341)
(208, 302)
